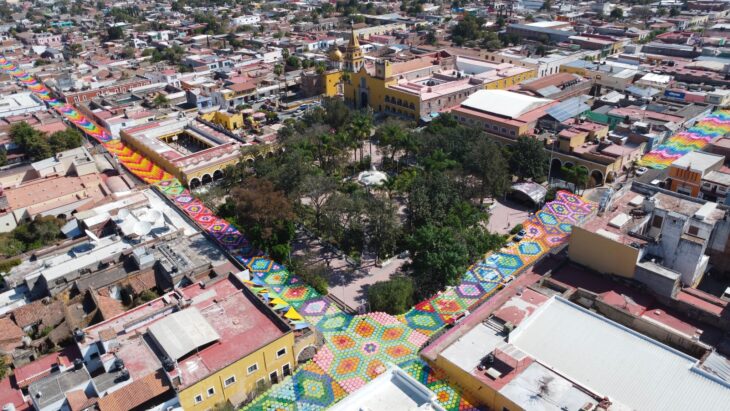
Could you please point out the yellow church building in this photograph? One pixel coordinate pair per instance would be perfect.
(419, 87)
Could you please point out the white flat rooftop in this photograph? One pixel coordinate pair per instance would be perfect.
(504, 103)
(698, 161)
(612, 360)
(393, 390)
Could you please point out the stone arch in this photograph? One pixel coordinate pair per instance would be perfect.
(306, 353)
(217, 175)
(194, 183)
(207, 179)
(596, 178)
(269, 154)
(249, 161)
(568, 164)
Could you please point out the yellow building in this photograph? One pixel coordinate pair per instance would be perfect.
(192, 151)
(332, 81)
(429, 83)
(231, 121)
(207, 344)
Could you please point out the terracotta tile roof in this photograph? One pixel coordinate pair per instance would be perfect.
(135, 394)
(38, 312)
(78, 400)
(108, 306)
(11, 335)
(143, 281)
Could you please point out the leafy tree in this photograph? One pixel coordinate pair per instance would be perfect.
(128, 52)
(674, 11)
(528, 158)
(500, 22)
(439, 161)
(577, 176)
(488, 164)
(393, 139)
(430, 198)
(293, 62)
(431, 38)
(4, 367)
(160, 100)
(266, 213)
(469, 28)
(438, 258)
(337, 114)
(342, 221)
(114, 33)
(383, 227)
(75, 49)
(317, 189)
(31, 141)
(65, 140)
(394, 296)
(617, 13)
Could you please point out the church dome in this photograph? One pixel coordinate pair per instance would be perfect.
(335, 54)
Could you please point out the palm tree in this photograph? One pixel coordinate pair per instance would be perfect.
(160, 101)
(360, 128)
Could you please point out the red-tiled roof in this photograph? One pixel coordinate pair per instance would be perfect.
(41, 367)
(78, 400)
(135, 394)
(11, 394)
(11, 335)
(38, 312)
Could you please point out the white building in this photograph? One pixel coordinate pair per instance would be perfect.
(19, 103)
(392, 390)
(246, 20)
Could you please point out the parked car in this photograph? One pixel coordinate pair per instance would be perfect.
(641, 171)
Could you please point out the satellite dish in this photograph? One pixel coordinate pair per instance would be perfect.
(142, 228)
(153, 216)
(92, 236)
(123, 214)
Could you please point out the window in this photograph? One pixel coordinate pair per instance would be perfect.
(281, 353)
(230, 380)
(274, 377)
(198, 398)
(657, 222)
(286, 371)
(252, 368)
(693, 230)
(211, 391)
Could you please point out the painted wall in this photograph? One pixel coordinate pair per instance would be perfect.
(601, 253)
(267, 363)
